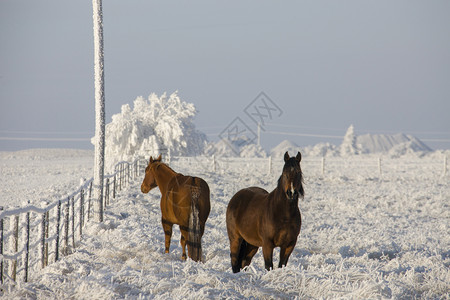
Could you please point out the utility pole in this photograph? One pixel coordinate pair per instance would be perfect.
(99, 167)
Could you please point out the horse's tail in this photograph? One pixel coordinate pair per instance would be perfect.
(195, 234)
(242, 253)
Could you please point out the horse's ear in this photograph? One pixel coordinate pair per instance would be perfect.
(299, 156)
(159, 158)
(286, 156)
(151, 159)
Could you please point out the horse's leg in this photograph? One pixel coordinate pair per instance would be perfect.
(285, 252)
(268, 254)
(167, 226)
(250, 251)
(183, 239)
(235, 245)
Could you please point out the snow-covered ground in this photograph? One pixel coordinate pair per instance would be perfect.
(364, 235)
(41, 175)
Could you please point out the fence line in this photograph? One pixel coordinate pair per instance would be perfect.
(316, 166)
(60, 223)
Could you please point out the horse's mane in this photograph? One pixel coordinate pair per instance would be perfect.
(166, 165)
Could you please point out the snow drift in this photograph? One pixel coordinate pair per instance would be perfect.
(153, 126)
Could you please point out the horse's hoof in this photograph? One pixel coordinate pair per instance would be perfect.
(166, 251)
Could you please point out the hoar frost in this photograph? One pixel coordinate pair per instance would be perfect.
(153, 126)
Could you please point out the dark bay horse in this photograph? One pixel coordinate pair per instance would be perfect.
(256, 218)
(184, 201)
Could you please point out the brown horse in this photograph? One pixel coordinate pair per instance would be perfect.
(256, 218)
(184, 201)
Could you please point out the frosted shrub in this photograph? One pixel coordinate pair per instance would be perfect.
(152, 126)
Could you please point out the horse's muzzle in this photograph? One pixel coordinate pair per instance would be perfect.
(292, 195)
(145, 189)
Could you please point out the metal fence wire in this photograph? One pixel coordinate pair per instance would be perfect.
(32, 237)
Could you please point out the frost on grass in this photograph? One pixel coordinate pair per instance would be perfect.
(362, 237)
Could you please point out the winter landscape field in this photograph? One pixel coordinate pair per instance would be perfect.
(364, 234)
(376, 210)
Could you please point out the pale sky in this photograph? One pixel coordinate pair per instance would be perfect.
(383, 66)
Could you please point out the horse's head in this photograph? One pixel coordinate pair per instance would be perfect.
(149, 182)
(292, 178)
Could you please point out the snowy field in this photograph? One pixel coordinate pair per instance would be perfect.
(364, 234)
(41, 175)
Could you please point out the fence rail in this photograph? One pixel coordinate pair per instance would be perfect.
(35, 236)
(315, 166)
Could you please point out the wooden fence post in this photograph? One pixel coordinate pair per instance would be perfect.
(323, 166)
(81, 212)
(1, 247)
(47, 223)
(136, 168)
(379, 166)
(89, 201)
(66, 228)
(43, 241)
(128, 173)
(124, 179)
(27, 246)
(114, 187)
(14, 244)
(120, 177)
(107, 192)
(139, 167)
(73, 222)
(58, 220)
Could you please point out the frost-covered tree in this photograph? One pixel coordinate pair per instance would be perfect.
(349, 145)
(152, 126)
